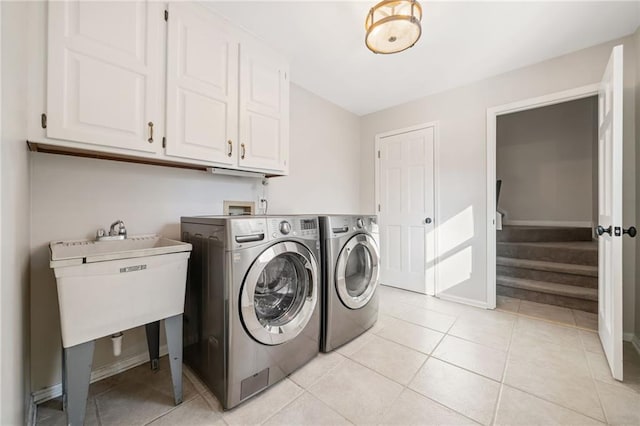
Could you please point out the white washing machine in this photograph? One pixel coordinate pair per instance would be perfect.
(252, 310)
(350, 259)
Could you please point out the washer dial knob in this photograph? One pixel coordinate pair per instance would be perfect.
(285, 227)
(360, 223)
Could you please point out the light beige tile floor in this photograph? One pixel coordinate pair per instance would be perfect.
(557, 314)
(427, 361)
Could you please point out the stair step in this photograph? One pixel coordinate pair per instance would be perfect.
(542, 265)
(548, 276)
(569, 252)
(511, 233)
(549, 288)
(549, 299)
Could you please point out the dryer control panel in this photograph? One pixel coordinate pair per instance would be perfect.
(344, 225)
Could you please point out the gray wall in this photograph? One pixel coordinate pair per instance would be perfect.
(14, 178)
(71, 197)
(461, 160)
(325, 159)
(545, 158)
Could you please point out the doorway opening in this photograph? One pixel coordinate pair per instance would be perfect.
(547, 208)
(506, 114)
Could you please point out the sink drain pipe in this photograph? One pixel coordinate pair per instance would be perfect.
(116, 341)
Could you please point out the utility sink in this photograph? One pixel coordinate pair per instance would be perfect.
(105, 287)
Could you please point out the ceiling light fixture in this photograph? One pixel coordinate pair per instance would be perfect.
(393, 26)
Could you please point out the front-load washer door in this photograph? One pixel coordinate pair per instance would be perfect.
(357, 271)
(279, 293)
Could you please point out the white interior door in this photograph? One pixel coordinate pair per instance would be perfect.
(406, 210)
(105, 73)
(610, 212)
(202, 86)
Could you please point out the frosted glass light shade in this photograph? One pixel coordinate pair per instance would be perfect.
(393, 26)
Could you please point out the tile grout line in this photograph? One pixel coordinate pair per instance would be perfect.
(494, 417)
(540, 318)
(429, 356)
(595, 385)
(331, 408)
(552, 402)
(408, 347)
(484, 345)
(95, 403)
(175, 407)
(321, 376)
(286, 405)
(420, 325)
(407, 388)
(547, 400)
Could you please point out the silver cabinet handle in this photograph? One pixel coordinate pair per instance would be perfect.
(150, 132)
(243, 151)
(230, 148)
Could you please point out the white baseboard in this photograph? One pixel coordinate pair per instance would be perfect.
(463, 300)
(628, 337)
(47, 393)
(100, 373)
(567, 223)
(636, 343)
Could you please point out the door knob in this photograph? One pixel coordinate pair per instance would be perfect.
(632, 231)
(427, 220)
(601, 230)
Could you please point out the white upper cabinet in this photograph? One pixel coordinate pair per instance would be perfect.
(264, 109)
(105, 73)
(171, 83)
(202, 86)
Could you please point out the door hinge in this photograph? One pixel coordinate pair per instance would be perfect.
(378, 154)
(378, 207)
(166, 15)
(164, 142)
(43, 120)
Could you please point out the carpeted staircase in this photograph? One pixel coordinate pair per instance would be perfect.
(553, 265)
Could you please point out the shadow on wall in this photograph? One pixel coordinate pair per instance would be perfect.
(453, 255)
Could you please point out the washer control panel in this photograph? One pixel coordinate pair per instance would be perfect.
(301, 227)
(285, 227)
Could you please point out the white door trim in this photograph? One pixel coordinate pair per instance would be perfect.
(492, 115)
(436, 182)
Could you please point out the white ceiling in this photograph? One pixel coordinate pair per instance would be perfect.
(461, 42)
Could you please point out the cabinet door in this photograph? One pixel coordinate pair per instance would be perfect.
(264, 109)
(105, 73)
(202, 86)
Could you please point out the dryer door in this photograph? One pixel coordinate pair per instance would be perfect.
(357, 271)
(279, 293)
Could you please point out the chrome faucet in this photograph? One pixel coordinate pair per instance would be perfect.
(117, 231)
(122, 231)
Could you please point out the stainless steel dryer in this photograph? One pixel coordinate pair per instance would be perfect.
(252, 309)
(350, 259)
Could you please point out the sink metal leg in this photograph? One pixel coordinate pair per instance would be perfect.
(64, 380)
(173, 329)
(153, 342)
(77, 375)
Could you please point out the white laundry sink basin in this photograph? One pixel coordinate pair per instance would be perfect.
(105, 287)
